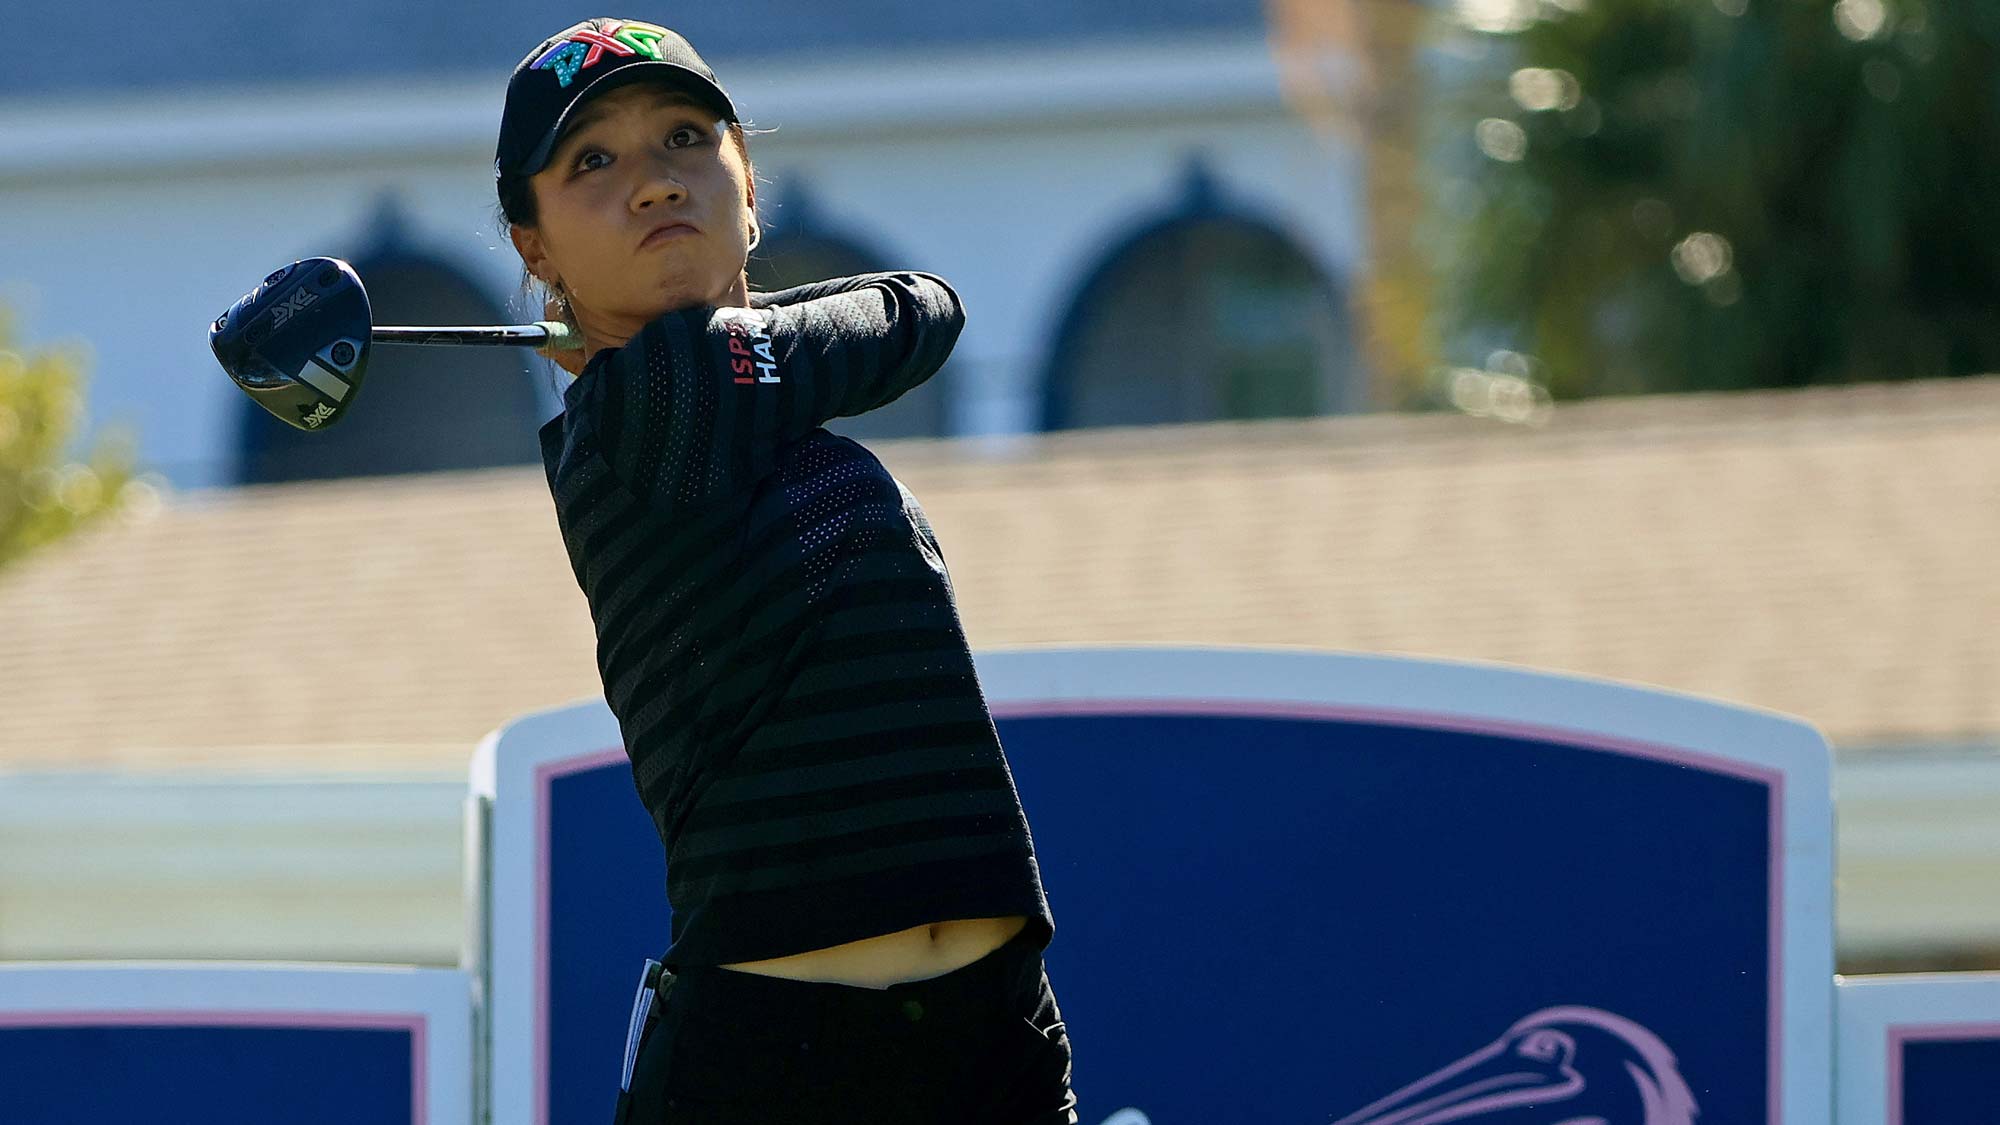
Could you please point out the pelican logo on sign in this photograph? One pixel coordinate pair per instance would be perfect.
(1559, 1066)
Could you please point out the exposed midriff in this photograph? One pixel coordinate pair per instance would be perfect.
(919, 952)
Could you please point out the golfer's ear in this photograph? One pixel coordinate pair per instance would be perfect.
(528, 244)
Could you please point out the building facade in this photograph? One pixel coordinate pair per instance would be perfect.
(1141, 227)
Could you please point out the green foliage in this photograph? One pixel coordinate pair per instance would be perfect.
(43, 495)
(1658, 195)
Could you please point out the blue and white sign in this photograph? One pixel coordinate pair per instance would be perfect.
(1922, 1049)
(234, 1044)
(573, 901)
(1298, 886)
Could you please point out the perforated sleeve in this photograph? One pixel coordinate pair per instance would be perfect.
(702, 401)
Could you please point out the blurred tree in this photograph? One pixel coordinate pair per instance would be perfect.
(1348, 68)
(1657, 195)
(43, 495)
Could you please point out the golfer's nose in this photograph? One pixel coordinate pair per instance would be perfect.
(658, 185)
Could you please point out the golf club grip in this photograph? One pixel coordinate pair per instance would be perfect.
(542, 333)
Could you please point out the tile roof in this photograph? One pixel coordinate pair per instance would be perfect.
(1824, 552)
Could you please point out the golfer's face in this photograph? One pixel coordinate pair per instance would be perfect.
(637, 157)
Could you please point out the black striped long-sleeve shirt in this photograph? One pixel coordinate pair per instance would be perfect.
(776, 629)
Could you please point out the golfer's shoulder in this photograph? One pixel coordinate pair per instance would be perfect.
(910, 292)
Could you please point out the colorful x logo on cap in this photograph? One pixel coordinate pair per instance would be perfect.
(584, 47)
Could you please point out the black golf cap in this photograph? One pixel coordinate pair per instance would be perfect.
(581, 61)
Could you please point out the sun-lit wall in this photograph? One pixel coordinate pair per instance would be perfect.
(1012, 172)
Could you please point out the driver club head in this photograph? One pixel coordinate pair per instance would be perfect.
(298, 343)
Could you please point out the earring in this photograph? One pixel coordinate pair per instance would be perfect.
(756, 234)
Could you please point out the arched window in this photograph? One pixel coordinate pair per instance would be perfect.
(422, 408)
(797, 249)
(1206, 314)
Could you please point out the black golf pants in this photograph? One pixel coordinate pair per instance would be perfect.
(981, 1045)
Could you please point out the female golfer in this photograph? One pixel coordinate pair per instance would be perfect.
(858, 917)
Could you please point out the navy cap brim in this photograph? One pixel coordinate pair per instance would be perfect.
(654, 70)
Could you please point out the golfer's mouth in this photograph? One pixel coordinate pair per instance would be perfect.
(667, 232)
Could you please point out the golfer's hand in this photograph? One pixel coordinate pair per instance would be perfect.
(569, 359)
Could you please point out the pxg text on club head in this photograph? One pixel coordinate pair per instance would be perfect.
(298, 343)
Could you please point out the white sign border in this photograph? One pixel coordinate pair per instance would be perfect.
(434, 1005)
(511, 771)
(1878, 1014)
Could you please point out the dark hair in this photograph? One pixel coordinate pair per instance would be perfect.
(517, 207)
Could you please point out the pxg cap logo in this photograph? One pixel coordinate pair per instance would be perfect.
(585, 47)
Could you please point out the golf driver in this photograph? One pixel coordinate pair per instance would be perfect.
(298, 343)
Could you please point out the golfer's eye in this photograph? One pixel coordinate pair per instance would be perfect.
(693, 136)
(584, 156)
